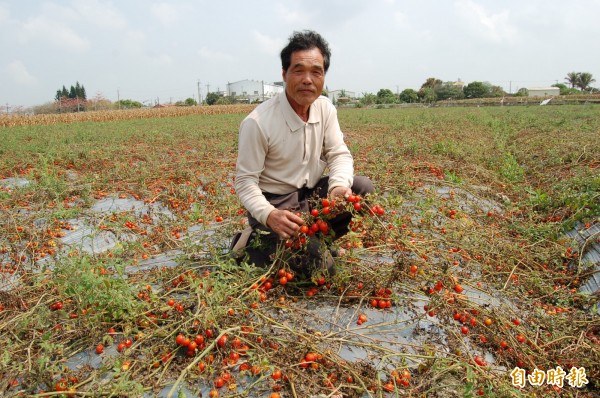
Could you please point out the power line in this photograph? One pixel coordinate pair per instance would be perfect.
(199, 95)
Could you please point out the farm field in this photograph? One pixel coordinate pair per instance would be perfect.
(471, 272)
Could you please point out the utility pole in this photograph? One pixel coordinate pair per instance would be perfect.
(199, 96)
(207, 88)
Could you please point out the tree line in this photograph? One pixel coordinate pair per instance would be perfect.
(76, 91)
(75, 98)
(434, 89)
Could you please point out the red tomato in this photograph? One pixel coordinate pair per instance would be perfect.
(310, 357)
(219, 382)
(276, 375)
(324, 227)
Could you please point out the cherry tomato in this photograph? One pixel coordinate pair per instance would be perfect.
(276, 374)
(310, 357)
(219, 382)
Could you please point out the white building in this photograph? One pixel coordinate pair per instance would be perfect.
(252, 90)
(335, 95)
(543, 91)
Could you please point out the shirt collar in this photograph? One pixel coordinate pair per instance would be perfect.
(291, 117)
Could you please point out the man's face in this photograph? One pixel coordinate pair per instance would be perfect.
(304, 78)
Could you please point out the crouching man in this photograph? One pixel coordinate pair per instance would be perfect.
(285, 146)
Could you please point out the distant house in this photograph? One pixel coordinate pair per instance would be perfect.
(459, 84)
(543, 91)
(252, 90)
(345, 95)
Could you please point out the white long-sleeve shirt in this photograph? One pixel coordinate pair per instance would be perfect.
(279, 153)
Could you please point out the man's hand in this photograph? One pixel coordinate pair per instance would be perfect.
(284, 223)
(340, 192)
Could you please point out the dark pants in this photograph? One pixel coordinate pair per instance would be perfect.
(297, 201)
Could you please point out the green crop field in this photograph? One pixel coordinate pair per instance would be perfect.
(466, 274)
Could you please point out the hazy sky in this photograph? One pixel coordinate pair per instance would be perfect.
(145, 49)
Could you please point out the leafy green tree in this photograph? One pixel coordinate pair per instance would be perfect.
(448, 90)
(495, 91)
(187, 102)
(409, 95)
(386, 96)
(128, 104)
(476, 90)
(212, 98)
(522, 92)
(367, 99)
(224, 101)
(564, 90)
(432, 83)
(427, 95)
